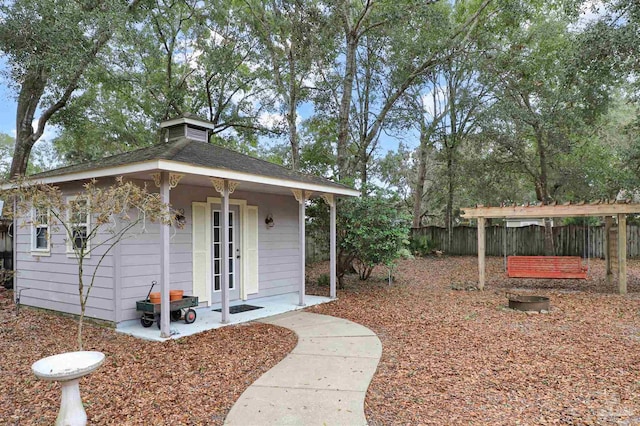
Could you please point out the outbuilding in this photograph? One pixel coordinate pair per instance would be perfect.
(261, 206)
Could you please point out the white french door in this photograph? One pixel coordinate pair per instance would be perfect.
(233, 258)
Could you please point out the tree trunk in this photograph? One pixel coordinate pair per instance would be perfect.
(31, 91)
(292, 114)
(28, 100)
(451, 145)
(364, 160)
(345, 105)
(421, 178)
(450, 189)
(80, 324)
(542, 190)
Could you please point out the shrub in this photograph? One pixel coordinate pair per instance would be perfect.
(323, 280)
(372, 232)
(420, 245)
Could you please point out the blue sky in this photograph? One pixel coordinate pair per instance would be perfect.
(7, 105)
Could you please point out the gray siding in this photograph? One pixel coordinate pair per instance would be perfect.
(52, 281)
(279, 251)
(140, 265)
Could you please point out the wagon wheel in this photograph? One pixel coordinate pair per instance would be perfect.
(190, 316)
(146, 322)
(157, 319)
(176, 315)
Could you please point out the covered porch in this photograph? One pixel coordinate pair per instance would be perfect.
(243, 227)
(209, 319)
(227, 196)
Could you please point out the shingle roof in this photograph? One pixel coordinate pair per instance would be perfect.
(195, 153)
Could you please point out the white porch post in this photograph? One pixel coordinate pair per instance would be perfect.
(224, 254)
(165, 262)
(330, 199)
(165, 181)
(301, 198)
(224, 187)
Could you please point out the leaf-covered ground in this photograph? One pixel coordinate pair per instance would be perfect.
(461, 357)
(449, 356)
(194, 380)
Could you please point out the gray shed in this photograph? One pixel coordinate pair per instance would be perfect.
(260, 203)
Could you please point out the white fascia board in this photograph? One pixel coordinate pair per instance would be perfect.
(92, 174)
(177, 167)
(186, 120)
(174, 166)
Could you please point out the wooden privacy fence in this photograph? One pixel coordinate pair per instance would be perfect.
(316, 246)
(570, 240)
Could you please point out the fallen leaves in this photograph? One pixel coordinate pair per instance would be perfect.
(461, 357)
(193, 380)
(449, 356)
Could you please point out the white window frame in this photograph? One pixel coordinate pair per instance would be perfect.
(70, 240)
(38, 227)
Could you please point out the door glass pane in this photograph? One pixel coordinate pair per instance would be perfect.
(217, 250)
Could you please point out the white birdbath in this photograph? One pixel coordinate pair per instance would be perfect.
(68, 368)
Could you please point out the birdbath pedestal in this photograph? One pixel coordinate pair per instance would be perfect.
(68, 368)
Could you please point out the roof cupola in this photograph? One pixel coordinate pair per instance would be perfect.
(186, 126)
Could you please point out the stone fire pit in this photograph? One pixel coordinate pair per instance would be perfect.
(528, 303)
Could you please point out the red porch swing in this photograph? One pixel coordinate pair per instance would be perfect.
(546, 267)
(569, 267)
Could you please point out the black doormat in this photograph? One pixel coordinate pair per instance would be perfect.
(239, 308)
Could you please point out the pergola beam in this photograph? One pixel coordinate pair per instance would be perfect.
(536, 212)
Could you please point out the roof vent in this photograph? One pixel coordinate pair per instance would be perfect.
(187, 126)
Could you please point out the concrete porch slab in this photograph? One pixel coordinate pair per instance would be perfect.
(207, 319)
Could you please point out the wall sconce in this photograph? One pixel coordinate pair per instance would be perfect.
(180, 218)
(269, 221)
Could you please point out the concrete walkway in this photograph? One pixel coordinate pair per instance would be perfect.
(323, 381)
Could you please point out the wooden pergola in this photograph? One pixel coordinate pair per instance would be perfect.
(608, 210)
